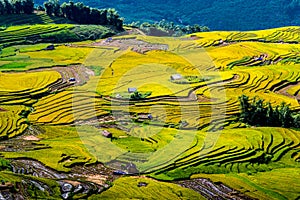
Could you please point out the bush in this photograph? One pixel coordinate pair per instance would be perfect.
(139, 96)
(4, 164)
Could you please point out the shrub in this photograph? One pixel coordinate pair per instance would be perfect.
(139, 96)
(4, 164)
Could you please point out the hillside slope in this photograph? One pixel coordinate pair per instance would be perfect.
(218, 15)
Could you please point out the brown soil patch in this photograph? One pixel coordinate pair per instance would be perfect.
(80, 73)
(74, 183)
(135, 45)
(2, 110)
(98, 179)
(31, 138)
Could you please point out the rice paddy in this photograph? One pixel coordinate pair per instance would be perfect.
(184, 128)
(155, 189)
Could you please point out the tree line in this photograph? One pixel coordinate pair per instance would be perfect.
(83, 14)
(16, 7)
(259, 113)
(170, 27)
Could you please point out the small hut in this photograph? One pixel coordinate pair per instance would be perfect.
(142, 184)
(132, 90)
(108, 40)
(50, 47)
(175, 77)
(106, 133)
(72, 79)
(150, 117)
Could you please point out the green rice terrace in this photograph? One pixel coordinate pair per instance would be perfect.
(144, 117)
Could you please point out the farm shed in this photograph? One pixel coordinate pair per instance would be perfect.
(132, 90)
(145, 116)
(106, 133)
(175, 77)
(72, 79)
(109, 39)
(50, 47)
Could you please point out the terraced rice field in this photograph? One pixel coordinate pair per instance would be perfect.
(31, 19)
(277, 35)
(151, 188)
(192, 127)
(12, 124)
(27, 33)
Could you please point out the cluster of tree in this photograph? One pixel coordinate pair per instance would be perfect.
(8, 7)
(259, 113)
(83, 14)
(170, 27)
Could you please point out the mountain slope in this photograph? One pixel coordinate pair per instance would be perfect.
(216, 14)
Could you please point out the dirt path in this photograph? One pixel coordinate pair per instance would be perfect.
(72, 75)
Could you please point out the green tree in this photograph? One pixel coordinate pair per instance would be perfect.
(48, 7)
(52, 7)
(258, 113)
(17, 6)
(8, 7)
(2, 8)
(285, 115)
(27, 6)
(245, 108)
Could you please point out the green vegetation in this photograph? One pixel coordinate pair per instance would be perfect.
(218, 15)
(83, 14)
(127, 187)
(72, 105)
(4, 164)
(31, 19)
(261, 185)
(236, 151)
(96, 69)
(139, 96)
(64, 149)
(26, 187)
(258, 113)
(16, 7)
(33, 34)
(164, 28)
